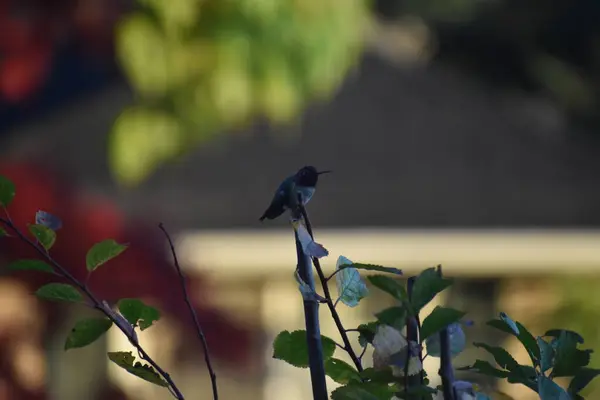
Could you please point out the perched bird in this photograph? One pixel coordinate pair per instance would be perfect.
(286, 197)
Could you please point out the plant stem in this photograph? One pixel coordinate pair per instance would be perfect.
(412, 335)
(186, 297)
(97, 304)
(313, 331)
(446, 371)
(330, 304)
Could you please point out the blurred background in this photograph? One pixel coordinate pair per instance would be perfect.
(460, 132)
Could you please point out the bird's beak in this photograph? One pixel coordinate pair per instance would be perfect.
(323, 172)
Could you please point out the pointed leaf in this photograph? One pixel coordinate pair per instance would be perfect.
(7, 191)
(340, 371)
(390, 286)
(501, 356)
(383, 375)
(87, 331)
(3, 232)
(524, 336)
(126, 361)
(293, 349)
(131, 309)
(458, 341)
(149, 316)
(557, 332)
(43, 234)
(366, 333)
(568, 358)
(427, 285)
(30, 265)
(138, 313)
(362, 391)
(59, 292)
(372, 267)
(485, 368)
(510, 323)
(102, 252)
(549, 390)
(439, 318)
(48, 220)
(581, 379)
(546, 354)
(351, 287)
(393, 316)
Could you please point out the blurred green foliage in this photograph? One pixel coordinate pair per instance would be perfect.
(204, 66)
(579, 310)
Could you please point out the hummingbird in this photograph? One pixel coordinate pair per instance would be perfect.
(286, 197)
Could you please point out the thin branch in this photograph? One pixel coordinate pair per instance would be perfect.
(362, 353)
(446, 371)
(412, 335)
(97, 304)
(333, 273)
(330, 305)
(211, 371)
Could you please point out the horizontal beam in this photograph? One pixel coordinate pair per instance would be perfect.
(461, 252)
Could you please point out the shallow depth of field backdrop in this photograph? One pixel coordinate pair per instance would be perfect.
(460, 132)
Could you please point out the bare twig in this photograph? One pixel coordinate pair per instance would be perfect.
(412, 335)
(97, 304)
(446, 371)
(330, 304)
(211, 371)
(332, 274)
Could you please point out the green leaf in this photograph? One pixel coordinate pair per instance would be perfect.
(439, 318)
(367, 333)
(102, 252)
(43, 234)
(351, 287)
(293, 349)
(131, 309)
(7, 191)
(30, 265)
(421, 392)
(557, 332)
(581, 379)
(427, 285)
(546, 354)
(126, 360)
(3, 232)
(138, 313)
(549, 390)
(393, 316)
(362, 391)
(501, 356)
(340, 371)
(384, 375)
(149, 316)
(458, 341)
(485, 368)
(524, 336)
(87, 331)
(390, 286)
(510, 323)
(59, 292)
(568, 359)
(372, 267)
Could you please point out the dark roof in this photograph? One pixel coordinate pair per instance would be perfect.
(414, 147)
